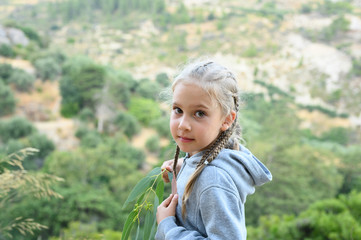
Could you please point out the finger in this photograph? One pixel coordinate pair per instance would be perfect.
(165, 177)
(168, 200)
(165, 174)
(174, 202)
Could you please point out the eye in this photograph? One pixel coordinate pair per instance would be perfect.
(200, 114)
(177, 110)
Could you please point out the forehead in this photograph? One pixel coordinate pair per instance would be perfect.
(191, 94)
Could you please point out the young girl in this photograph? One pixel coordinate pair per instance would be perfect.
(217, 173)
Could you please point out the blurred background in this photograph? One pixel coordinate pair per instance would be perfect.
(80, 81)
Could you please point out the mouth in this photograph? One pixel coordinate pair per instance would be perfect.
(185, 139)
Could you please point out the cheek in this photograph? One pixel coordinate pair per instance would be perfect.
(173, 125)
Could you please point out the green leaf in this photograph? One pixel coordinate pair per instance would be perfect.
(155, 172)
(148, 223)
(129, 225)
(137, 235)
(140, 188)
(160, 190)
(154, 228)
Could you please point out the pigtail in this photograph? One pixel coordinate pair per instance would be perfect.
(175, 162)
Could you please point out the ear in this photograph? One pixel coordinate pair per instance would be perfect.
(228, 120)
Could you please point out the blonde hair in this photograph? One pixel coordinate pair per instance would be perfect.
(221, 84)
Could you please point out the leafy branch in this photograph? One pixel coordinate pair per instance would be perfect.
(150, 185)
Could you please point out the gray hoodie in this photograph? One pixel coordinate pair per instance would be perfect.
(215, 209)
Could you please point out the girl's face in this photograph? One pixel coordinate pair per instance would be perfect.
(196, 119)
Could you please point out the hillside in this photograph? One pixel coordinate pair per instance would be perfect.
(80, 80)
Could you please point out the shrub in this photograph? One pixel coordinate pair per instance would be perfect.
(15, 128)
(145, 110)
(7, 100)
(162, 126)
(127, 123)
(148, 89)
(22, 80)
(162, 79)
(7, 51)
(47, 68)
(5, 71)
(153, 144)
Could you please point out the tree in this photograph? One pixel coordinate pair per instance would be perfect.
(303, 175)
(334, 218)
(81, 82)
(145, 110)
(5, 71)
(7, 100)
(127, 123)
(15, 128)
(47, 68)
(22, 80)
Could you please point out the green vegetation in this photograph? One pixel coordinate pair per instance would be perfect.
(334, 218)
(80, 84)
(316, 188)
(7, 51)
(16, 183)
(7, 100)
(22, 80)
(145, 110)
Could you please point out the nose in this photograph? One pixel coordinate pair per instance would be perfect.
(184, 124)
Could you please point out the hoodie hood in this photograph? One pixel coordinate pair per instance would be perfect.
(242, 166)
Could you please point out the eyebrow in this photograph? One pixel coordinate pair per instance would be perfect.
(193, 106)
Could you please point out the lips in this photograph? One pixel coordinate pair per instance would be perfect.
(185, 139)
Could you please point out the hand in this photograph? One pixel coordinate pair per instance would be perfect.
(167, 208)
(168, 165)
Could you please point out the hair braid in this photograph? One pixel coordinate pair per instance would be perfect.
(175, 162)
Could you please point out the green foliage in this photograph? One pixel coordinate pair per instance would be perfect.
(329, 112)
(293, 188)
(16, 184)
(86, 115)
(338, 135)
(7, 100)
(7, 51)
(152, 184)
(161, 125)
(47, 68)
(127, 123)
(350, 169)
(73, 9)
(250, 51)
(79, 231)
(15, 128)
(121, 85)
(162, 79)
(5, 71)
(326, 219)
(338, 26)
(22, 80)
(329, 7)
(148, 89)
(81, 82)
(145, 110)
(273, 90)
(153, 144)
(356, 67)
(42, 143)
